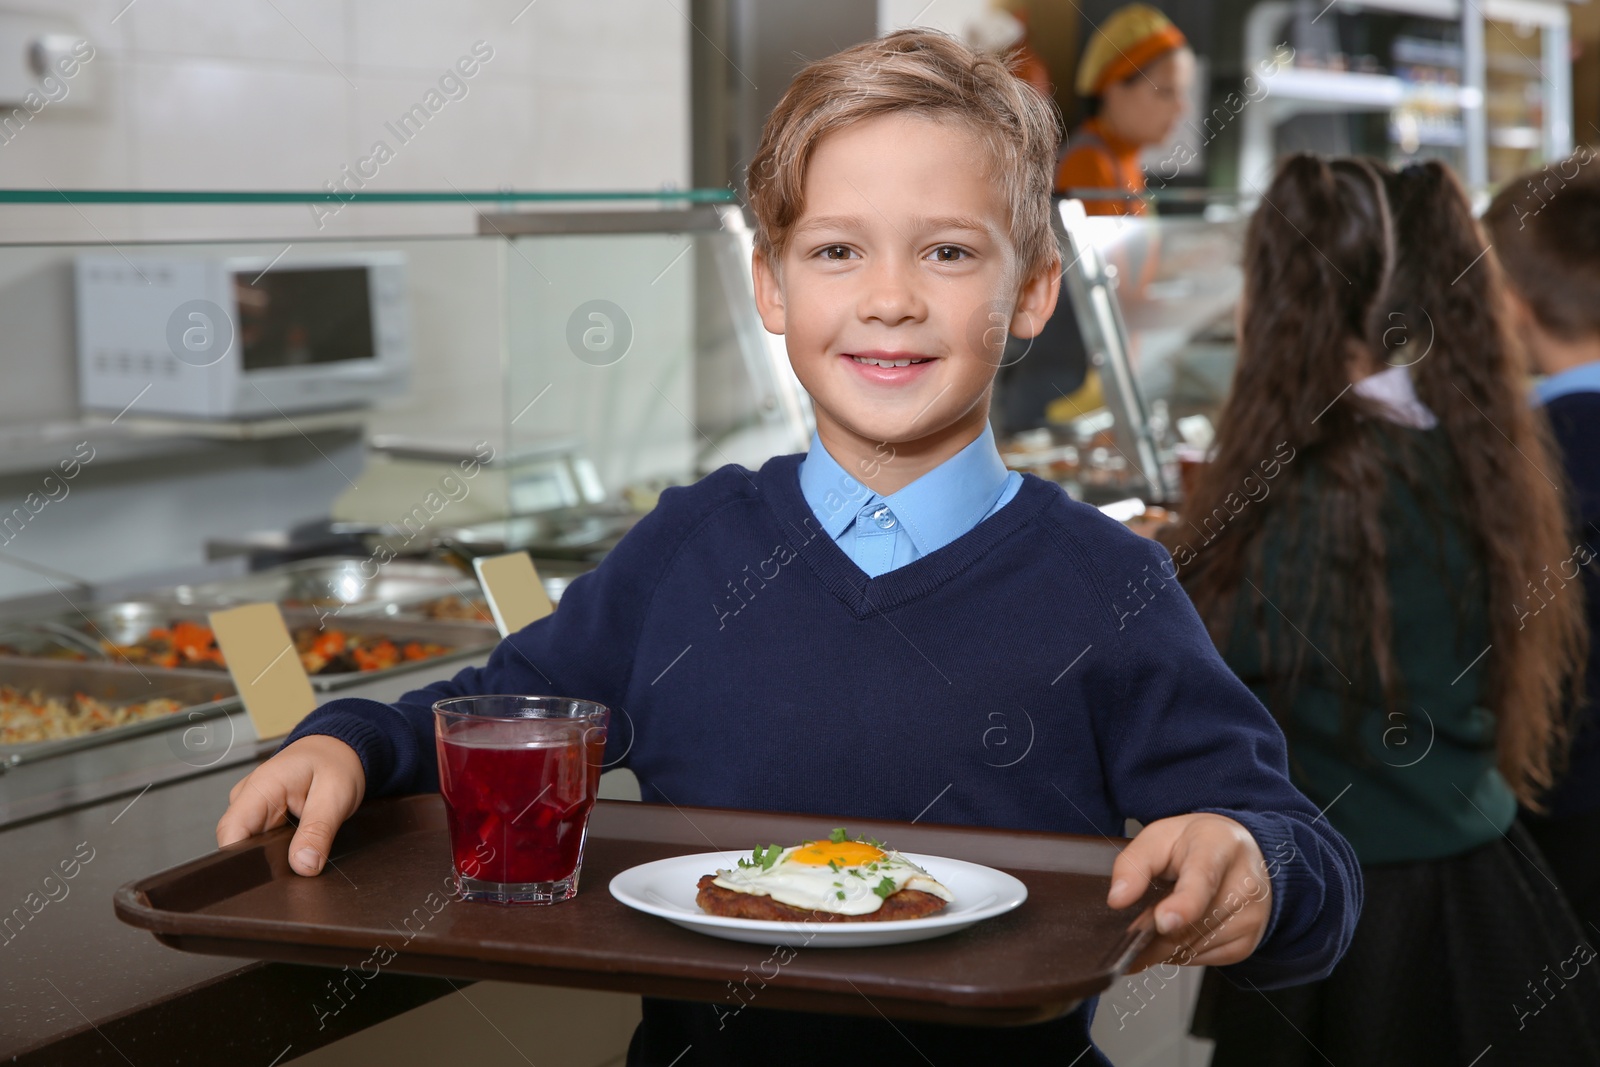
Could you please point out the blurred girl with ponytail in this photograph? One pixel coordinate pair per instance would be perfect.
(1370, 593)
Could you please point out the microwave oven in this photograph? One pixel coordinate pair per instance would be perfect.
(240, 337)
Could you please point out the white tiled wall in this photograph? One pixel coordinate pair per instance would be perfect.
(281, 94)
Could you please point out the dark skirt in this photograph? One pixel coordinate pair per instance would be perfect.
(1471, 960)
(1571, 845)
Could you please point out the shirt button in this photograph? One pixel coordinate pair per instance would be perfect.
(883, 517)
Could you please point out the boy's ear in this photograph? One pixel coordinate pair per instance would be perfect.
(769, 293)
(1037, 301)
(1516, 308)
(1526, 330)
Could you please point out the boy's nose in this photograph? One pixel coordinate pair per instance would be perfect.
(890, 296)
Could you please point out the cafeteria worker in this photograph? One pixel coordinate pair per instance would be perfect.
(1134, 80)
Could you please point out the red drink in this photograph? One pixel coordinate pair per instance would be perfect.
(517, 814)
(517, 792)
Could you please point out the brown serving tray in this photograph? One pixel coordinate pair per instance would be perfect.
(1032, 964)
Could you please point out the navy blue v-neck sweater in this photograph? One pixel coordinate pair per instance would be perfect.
(1575, 421)
(1044, 671)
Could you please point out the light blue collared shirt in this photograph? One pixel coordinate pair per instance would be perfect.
(1584, 378)
(880, 533)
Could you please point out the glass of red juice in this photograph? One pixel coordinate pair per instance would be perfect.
(519, 775)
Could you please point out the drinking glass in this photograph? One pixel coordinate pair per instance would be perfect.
(519, 776)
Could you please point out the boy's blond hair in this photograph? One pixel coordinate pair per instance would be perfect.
(919, 72)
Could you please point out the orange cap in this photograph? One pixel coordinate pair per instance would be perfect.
(1125, 43)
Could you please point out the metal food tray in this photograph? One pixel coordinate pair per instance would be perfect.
(203, 694)
(122, 622)
(554, 574)
(338, 581)
(1027, 966)
(576, 534)
(128, 621)
(400, 587)
(466, 640)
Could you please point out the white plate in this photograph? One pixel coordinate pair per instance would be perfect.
(668, 887)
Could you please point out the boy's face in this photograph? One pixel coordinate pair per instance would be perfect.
(902, 252)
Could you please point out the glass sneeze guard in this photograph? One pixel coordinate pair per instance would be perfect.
(569, 355)
(1150, 299)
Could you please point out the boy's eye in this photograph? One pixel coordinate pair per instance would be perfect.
(835, 252)
(949, 254)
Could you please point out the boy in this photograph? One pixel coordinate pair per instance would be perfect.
(875, 602)
(1546, 231)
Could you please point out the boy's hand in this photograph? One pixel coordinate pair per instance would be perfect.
(1219, 908)
(318, 779)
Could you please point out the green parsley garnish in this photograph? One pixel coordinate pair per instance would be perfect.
(764, 857)
(884, 888)
(840, 894)
(833, 865)
(857, 873)
(838, 835)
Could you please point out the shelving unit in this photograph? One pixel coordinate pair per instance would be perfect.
(1484, 87)
(1293, 91)
(1527, 86)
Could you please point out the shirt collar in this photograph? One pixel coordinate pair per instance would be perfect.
(834, 495)
(1393, 391)
(1584, 378)
(934, 510)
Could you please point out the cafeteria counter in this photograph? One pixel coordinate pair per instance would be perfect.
(79, 986)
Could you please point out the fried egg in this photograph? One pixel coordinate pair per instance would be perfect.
(846, 877)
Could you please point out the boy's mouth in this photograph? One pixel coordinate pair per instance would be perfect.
(888, 367)
(890, 360)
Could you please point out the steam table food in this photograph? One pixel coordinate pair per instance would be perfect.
(106, 671)
(153, 633)
(34, 715)
(191, 644)
(49, 707)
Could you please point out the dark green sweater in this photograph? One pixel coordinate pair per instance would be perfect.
(1422, 784)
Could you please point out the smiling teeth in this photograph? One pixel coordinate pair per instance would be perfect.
(886, 362)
